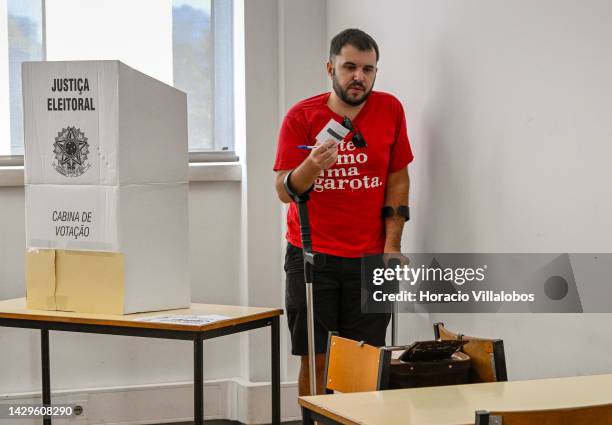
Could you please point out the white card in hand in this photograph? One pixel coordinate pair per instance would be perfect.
(332, 130)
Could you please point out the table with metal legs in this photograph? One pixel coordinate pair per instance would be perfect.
(13, 313)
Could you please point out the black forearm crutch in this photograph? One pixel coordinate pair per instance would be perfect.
(310, 259)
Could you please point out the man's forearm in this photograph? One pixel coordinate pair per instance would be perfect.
(398, 185)
(304, 176)
(322, 157)
(301, 179)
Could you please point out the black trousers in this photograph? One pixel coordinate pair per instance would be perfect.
(337, 301)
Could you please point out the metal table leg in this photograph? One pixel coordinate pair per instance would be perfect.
(276, 408)
(198, 380)
(46, 371)
(306, 417)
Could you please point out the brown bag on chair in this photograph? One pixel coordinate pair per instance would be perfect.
(428, 364)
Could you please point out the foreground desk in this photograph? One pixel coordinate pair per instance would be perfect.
(13, 313)
(455, 405)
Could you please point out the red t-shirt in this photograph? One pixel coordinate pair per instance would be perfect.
(345, 204)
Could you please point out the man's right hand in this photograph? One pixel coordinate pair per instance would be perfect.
(324, 155)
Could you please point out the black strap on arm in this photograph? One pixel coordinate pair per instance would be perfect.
(402, 211)
(294, 196)
(387, 211)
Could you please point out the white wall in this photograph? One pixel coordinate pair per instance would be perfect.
(236, 251)
(93, 361)
(260, 230)
(507, 105)
(505, 110)
(303, 54)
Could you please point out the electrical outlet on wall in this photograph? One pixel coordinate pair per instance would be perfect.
(79, 404)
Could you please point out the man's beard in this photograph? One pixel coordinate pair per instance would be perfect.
(343, 94)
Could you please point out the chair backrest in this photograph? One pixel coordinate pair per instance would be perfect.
(584, 415)
(488, 357)
(352, 366)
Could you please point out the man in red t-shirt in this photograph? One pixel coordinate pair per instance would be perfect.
(354, 180)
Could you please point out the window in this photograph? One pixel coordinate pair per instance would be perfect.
(203, 68)
(192, 66)
(24, 42)
(186, 43)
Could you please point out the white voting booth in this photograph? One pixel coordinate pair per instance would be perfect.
(106, 173)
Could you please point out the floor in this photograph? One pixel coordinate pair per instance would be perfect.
(225, 422)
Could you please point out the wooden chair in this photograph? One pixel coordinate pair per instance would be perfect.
(488, 358)
(352, 366)
(585, 415)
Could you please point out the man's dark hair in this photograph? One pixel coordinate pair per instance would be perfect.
(356, 38)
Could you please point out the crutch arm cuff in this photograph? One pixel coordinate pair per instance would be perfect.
(292, 193)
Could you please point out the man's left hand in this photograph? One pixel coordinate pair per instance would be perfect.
(393, 254)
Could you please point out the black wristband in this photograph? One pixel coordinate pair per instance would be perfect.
(402, 211)
(387, 212)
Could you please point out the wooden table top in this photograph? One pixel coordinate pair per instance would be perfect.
(456, 405)
(16, 309)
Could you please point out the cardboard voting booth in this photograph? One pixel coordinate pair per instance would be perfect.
(106, 172)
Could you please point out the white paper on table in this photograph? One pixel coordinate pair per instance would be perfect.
(186, 319)
(333, 129)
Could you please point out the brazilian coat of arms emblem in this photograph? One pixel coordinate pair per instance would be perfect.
(71, 150)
